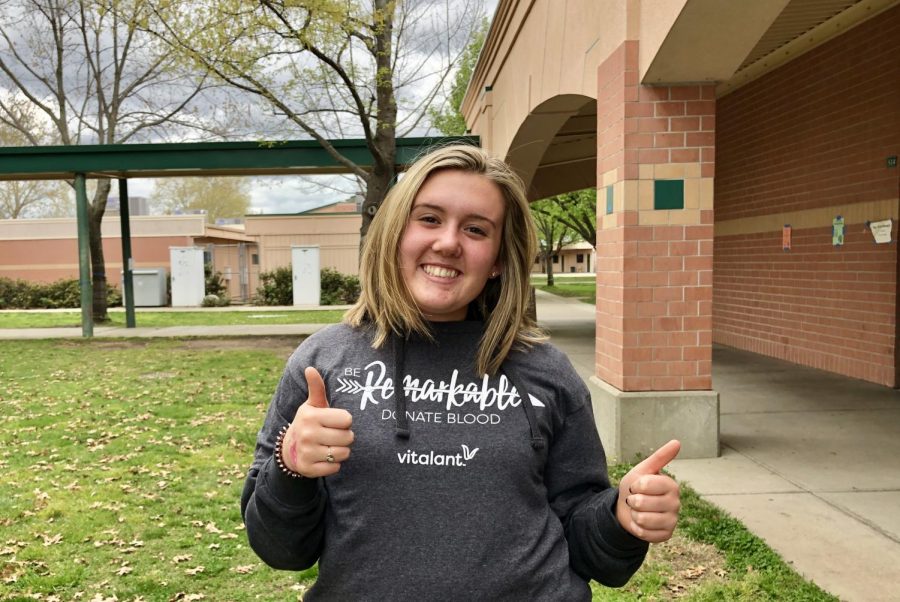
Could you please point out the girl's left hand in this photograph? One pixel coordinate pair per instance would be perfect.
(649, 502)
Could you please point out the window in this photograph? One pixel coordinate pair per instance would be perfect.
(609, 199)
(556, 259)
(254, 258)
(579, 258)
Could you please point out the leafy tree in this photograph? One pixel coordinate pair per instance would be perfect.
(88, 70)
(553, 233)
(332, 68)
(577, 211)
(449, 120)
(218, 196)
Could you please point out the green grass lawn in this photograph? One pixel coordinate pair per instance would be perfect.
(122, 462)
(583, 289)
(37, 319)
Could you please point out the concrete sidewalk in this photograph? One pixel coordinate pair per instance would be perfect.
(808, 460)
(807, 456)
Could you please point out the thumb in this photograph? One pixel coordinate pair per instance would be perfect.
(658, 459)
(316, 397)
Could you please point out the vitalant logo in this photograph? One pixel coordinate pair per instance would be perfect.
(432, 459)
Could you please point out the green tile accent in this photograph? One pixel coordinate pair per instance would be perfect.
(668, 194)
(609, 199)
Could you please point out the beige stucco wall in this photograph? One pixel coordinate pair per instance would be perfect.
(336, 234)
(567, 41)
(66, 227)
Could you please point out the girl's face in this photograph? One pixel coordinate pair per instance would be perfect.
(451, 243)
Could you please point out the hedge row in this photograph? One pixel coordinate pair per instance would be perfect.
(22, 294)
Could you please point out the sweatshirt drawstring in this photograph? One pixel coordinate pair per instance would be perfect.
(537, 440)
(402, 423)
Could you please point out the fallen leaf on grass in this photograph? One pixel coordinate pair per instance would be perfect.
(182, 558)
(694, 572)
(244, 569)
(124, 570)
(194, 571)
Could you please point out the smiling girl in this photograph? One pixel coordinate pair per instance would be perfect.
(476, 472)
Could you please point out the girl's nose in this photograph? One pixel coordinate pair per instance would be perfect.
(447, 242)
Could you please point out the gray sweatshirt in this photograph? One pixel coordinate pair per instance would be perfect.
(455, 489)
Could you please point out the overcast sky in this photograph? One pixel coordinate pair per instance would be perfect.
(289, 194)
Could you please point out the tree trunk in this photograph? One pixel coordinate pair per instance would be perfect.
(548, 265)
(98, 264)
(383, 144)
(377, 186)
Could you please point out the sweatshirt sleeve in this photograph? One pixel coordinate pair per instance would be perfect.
(580, 494)
(283, 515)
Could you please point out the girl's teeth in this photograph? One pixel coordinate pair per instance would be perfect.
(440, 272)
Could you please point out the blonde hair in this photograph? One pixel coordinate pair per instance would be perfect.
(385, 301)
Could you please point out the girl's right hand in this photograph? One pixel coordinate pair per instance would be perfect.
(319, 438)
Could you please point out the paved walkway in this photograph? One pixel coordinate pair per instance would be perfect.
(808, 458)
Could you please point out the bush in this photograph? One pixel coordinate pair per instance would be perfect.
(22, 294)
(215, 285)
(276, 287)
(216, 301)
(337, 288)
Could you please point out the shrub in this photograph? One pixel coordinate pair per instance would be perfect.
(215, 284)
(337, 288)
(216, 301)
(22, 294)
(276, 287)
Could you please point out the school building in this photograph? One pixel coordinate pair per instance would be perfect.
(745, 159)
(45, 250)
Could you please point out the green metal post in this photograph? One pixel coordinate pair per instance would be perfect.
(84, 257)
(127, 281)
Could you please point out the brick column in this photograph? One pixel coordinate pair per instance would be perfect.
(656, 162)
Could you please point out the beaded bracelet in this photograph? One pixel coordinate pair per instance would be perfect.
(279, 444)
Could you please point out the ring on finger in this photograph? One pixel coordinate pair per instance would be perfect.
(330, 456)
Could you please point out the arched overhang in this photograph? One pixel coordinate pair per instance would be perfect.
(555, 148)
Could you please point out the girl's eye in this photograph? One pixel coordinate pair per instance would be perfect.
(477, 230)
(428, 219)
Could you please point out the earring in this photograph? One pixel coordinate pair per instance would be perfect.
(494, 274)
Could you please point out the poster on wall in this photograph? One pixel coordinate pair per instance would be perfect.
(881, 230)
(786, 238)
(837, 231)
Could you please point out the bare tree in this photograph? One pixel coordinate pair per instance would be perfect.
(333, 68)
(29, 198)
(89, 71)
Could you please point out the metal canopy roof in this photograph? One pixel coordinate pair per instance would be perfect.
(198, 158)
(125, 161)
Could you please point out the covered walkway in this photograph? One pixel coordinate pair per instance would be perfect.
(808, 459)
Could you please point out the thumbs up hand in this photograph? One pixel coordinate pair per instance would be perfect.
(648, 501)
(319, 438)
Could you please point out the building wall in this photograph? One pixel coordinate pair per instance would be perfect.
(336, 234)
(800, 146)
(567, 262)
(46, 250)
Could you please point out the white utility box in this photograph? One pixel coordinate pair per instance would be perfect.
(307, 281)
(188, 280)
